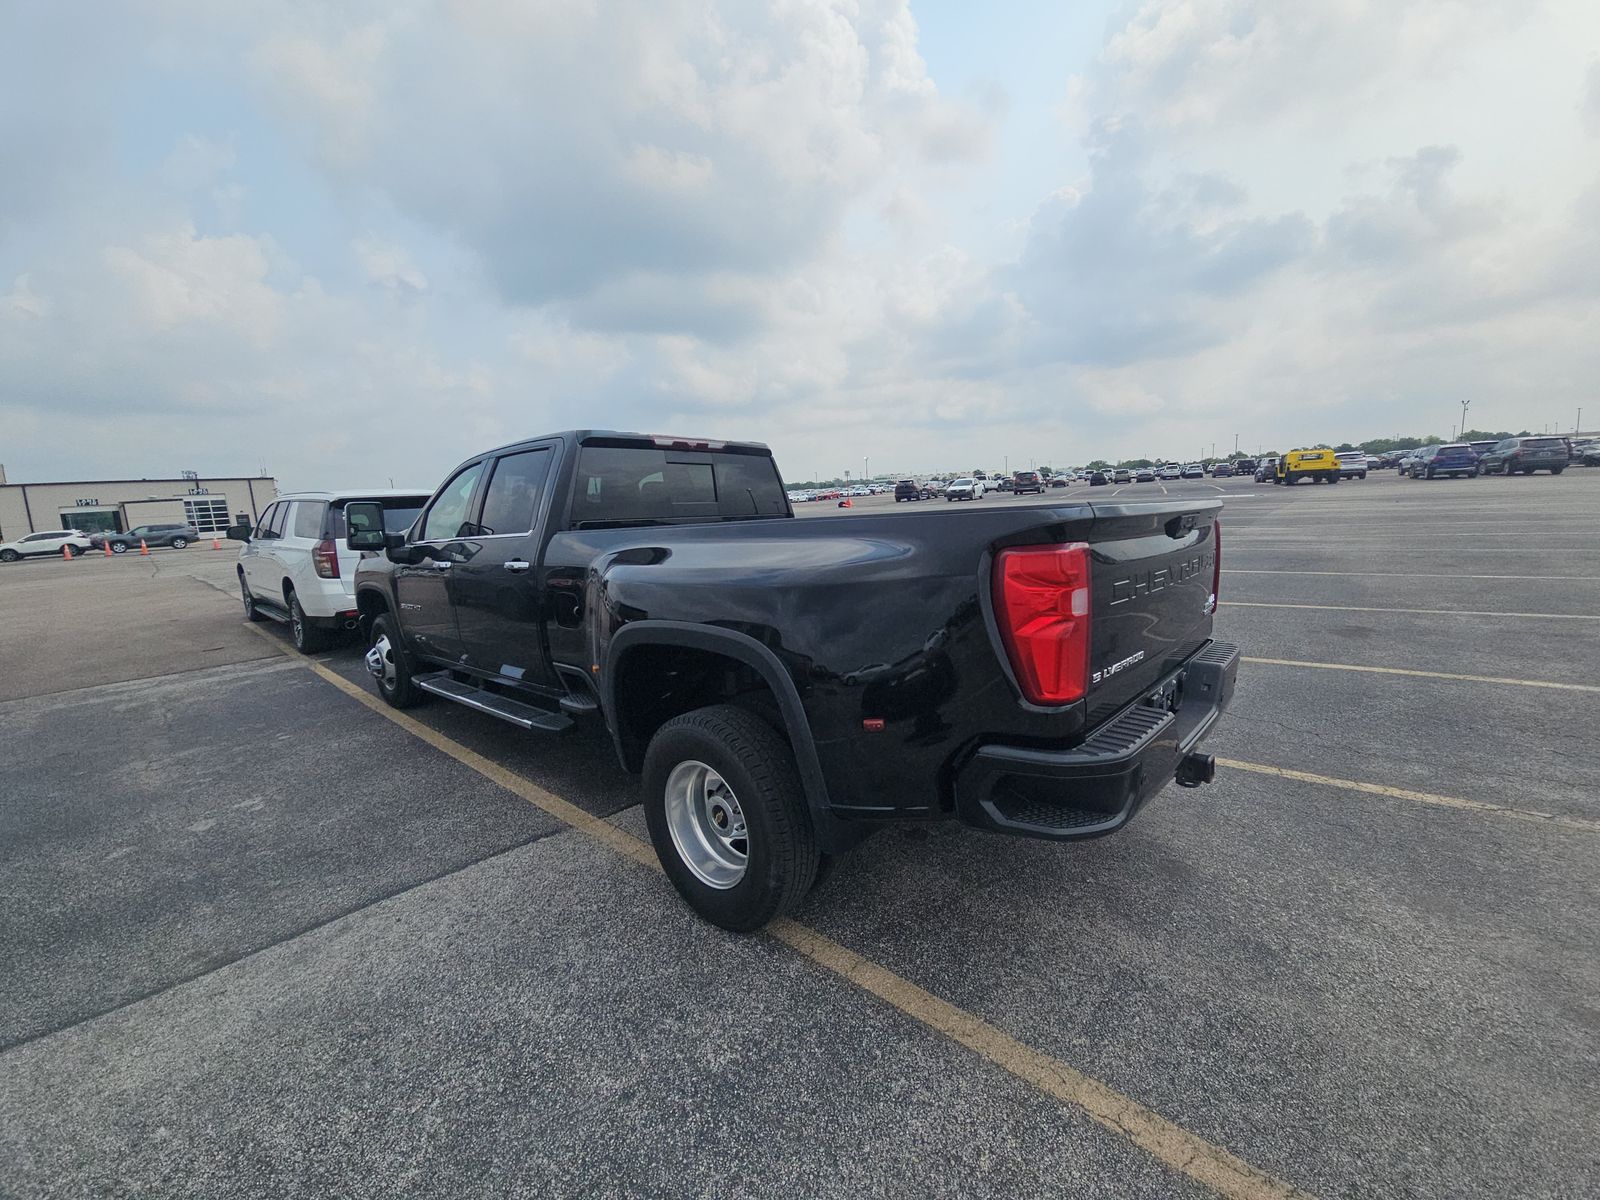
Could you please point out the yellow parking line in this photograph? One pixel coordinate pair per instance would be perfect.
(1394, 793)
(1320, 666)
(1428, 612)
(1169, 1143)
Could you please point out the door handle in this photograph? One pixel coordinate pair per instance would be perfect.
(441, 564)
(515, 565)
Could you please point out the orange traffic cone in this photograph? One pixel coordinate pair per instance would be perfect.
(215, 544)
(143, 549)
(108, 548)
(847, 503)
(66, 553)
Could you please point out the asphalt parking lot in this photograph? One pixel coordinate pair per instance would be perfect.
(263, 939)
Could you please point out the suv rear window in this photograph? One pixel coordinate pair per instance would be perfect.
(1455, 449)
(1543, 443)
(399, 514)
(638, 485)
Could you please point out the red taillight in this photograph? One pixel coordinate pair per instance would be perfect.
(1216, 566)
(1041, 602)
(326, 559)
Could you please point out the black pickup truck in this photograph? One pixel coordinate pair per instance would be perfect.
(786, 686)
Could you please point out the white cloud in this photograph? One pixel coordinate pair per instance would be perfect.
(388, 265)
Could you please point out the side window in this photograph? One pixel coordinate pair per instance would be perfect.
(308, 519)
(263, 526)
(449, 512)
(512, 501)
(279, 520)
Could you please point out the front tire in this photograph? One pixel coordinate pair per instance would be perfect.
(119, 547)
(728, 818)
(179, 543)
(9, 556)
(251, 612)
(388, 666)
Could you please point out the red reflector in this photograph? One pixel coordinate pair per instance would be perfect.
(1041, 602)
(325, 559)
(873, 724)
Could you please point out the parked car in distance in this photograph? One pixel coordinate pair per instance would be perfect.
(1001, 483)
(1144, 475)
(1026, 481)
(1454, 459)
(963, 489)
(1320, 466)
(1526, 455)
(1194, 471)
(1099, 478)
(663, 592)
(48, 541)
(911, 489)
(1482, 448)
(1244, 466)
(153, 536)
(1222, 471)
(1589, 456)
(1060, 481)
(1170, 471)
(1266, 470)
(1352, 464)
(294, 566)
(1122, 475)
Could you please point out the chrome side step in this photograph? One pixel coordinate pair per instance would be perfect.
(524, 716)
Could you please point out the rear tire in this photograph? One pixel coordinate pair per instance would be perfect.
(179, 543)
(696, 764)
(308, 639)
(119, 547)
(1557, 470)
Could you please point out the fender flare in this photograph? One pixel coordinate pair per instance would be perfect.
(745, 649)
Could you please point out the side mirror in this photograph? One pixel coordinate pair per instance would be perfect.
(363, 522)
(238, 533)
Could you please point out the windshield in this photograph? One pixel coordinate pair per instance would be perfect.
(631, 485)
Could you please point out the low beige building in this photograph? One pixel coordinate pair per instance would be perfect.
(118, 505)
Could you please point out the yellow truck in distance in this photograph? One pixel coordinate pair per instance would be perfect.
(1320, 465)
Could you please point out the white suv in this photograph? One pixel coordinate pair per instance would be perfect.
(294, 566)
(48, 542)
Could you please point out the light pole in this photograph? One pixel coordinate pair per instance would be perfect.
(1465, 404)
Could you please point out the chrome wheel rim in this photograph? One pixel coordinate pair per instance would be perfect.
(249, 602)
(707, 825)
(298, 622)
(380, 661)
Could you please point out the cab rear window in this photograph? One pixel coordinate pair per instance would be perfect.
(638, 485)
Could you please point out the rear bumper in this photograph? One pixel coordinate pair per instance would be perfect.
(1096, 787)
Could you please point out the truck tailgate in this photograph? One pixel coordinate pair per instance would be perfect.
(1152, 599)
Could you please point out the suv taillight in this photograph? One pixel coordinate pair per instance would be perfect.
(325, 557)
(1216, 566)
(1041, 602)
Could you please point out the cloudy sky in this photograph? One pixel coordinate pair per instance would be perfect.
(352, 242)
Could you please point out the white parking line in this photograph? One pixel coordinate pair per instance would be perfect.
(1409, 673)
(1586, 824)
(1413, 575)
(1429, 612)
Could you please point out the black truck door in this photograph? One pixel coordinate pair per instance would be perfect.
(424, 589)
(498, 589)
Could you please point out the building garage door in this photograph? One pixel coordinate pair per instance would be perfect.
(208, 514)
